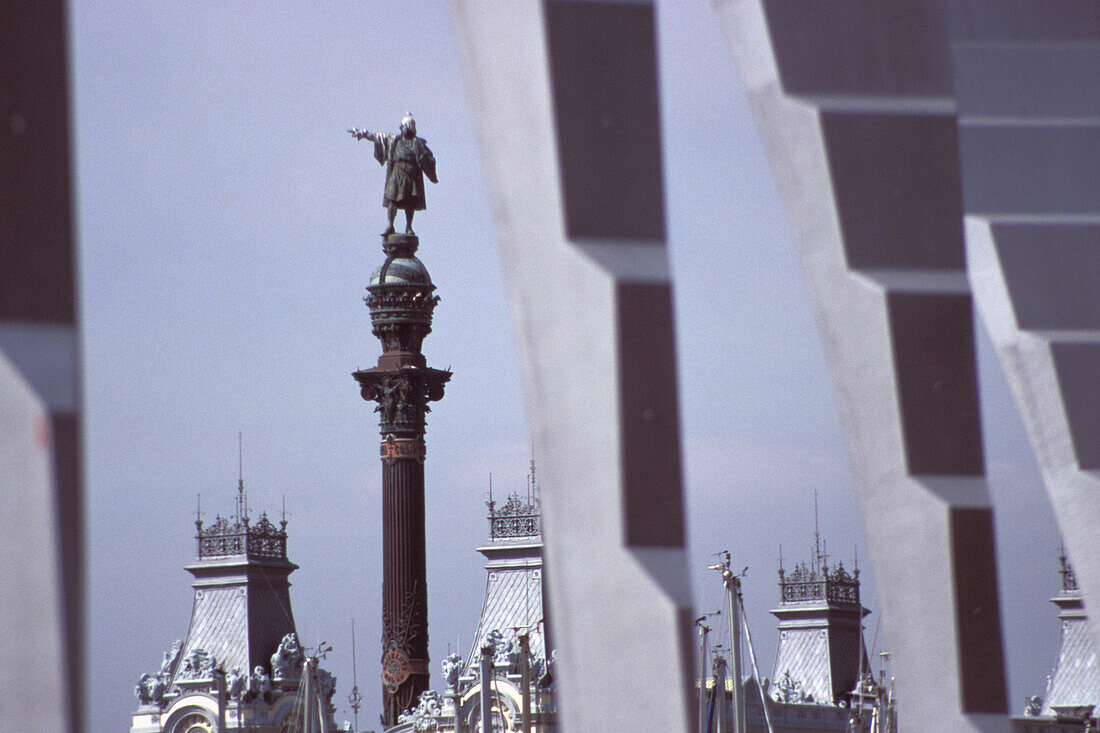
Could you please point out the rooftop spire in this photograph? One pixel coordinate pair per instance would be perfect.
(242, 498)
(821, 556)
(531, 480)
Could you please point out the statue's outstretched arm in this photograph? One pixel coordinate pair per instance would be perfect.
(362, 134)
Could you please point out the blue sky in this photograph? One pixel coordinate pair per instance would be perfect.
(228, 226)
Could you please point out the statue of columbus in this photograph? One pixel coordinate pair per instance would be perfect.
(408, 161)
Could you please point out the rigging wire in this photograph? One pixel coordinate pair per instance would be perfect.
(755, 670)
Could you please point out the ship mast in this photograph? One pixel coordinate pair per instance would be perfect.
(733, 605)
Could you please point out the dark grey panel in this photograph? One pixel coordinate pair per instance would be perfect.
(603, 76)
(653, 505)
(685, 625)
(977, 618)
(1052, 272)
(897, 188)
(1024, 20)
(1032, 169)
(65, 441)
(1018, 81)
(865, 48)
(270, 617)
(36, 246)
(1077, 366)
(933, 347)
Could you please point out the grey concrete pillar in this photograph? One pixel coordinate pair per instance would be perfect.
(1027, 79)
(854, 103)
(41, 547)
(568, 121)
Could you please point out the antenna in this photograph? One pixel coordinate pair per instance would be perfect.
(198, 511)
(781, 560)
(819, 555)
(242, 506)
(531, 479)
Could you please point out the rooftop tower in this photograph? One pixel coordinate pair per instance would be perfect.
(820, 650)
(1074, 689)
(241, 666)
(513, 590)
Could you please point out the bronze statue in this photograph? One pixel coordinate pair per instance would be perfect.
(408, 161)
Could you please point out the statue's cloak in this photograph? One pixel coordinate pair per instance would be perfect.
(407, 161)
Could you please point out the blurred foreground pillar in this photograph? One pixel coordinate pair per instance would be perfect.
(41, 571)
(566, 93)
(1027, 79)
(854, 103)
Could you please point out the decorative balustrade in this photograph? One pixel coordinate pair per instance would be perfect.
(262, 541)
(1069, 577)
(805, 585)
(517, 518)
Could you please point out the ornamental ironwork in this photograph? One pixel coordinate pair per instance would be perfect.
(402, 397)
(518, 517)
(263, 540)
(1069, 577)
(807, 584)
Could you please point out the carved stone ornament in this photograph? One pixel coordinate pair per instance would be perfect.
(259, 684)
(789, 690)
(150, 689)
(198, 665)
(326, 684)
(502, 648)
(171, 657)
(286, 662)
(424, 716)
(452, 669)
(236, 683)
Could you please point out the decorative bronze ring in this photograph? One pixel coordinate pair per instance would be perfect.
(392, 449)
(395, 669)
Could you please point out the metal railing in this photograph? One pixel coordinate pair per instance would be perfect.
(262, 541)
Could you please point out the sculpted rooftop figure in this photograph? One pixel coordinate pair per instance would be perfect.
(408, 160)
